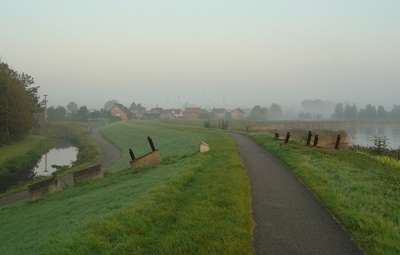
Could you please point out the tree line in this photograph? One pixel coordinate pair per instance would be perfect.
(19, 103)
(369, 112)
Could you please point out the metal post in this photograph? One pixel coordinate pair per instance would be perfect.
(309, 138)
(151, 143)
(287, 137)
(337, 142)
(132, 155)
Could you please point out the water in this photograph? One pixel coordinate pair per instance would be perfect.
(55, 157)
(364, 135)
(63, 154)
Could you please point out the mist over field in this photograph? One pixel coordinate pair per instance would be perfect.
(224, 54)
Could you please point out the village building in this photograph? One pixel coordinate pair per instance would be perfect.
(219, 113)
(192, 112)
(237, 114)
(121, 111)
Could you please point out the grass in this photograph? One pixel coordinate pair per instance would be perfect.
(29, 143)
(361, 191)
(191, 203)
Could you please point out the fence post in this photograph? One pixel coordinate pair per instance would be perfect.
(316, 140)
(337, 142)
(151, 143)
(132, 155)
(309, 138)
(287, 137)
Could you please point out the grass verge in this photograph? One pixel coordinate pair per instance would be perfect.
(361, 191)
(191, 203)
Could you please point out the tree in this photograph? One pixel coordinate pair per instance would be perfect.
(60, 113)
(72, 107)
(19, 103)
(350, 112)
(275, 112)
(370, 112)
(338, 113)
(110, 103)
(136, 107)
(381, 114)
(259, 113)
(82, 113)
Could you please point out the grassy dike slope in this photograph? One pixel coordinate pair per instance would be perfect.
(191, 203)
(360, 190)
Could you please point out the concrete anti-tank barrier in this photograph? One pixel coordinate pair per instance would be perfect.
(90, 173)
(45, 187)
(149, 159)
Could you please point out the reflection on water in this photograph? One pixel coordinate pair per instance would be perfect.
(64, 154)
(364, 135)
(55, 157)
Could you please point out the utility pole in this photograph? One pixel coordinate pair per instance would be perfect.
(45, 109)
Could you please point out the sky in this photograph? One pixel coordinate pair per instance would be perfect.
(207, 53)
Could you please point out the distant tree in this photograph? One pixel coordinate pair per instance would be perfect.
(50, 113)
(275, 112)
(72, 107)
(361, 114)
(83, 113)
(381, 113)
(259, 113)
(339, 112)
(395, 113)
(136, 107)
(370, 112)
(350, 112)
(59, 113)
(305, 116)
(110, 103)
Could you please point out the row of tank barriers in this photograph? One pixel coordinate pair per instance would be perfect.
(309, 136)
(56, 183)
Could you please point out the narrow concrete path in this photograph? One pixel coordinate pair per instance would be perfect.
(289, 218)
(111, 154)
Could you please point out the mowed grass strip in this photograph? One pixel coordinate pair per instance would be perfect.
(191, 203)
(361, 191)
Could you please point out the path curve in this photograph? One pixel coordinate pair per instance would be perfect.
(289, 218)
(111, 154)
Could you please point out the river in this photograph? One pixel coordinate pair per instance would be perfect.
(64, 154)
(364, 135)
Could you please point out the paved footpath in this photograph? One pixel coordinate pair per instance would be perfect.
(111, 154)
(289, 218)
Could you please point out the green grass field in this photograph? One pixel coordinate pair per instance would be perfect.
(361, 190)
(12, 151)
(191, 203)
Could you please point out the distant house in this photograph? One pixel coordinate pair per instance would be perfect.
(176, 113)
(192, 112)
(121, 111)
(219, 113)
(238, 114)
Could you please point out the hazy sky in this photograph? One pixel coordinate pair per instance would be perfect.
(209, 53)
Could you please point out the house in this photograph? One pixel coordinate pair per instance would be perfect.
(192, 112)
(238, 114)
(219, 113)
(176, 113)
(121, 111)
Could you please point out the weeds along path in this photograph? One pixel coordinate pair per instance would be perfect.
(289, 218)
(111, 154)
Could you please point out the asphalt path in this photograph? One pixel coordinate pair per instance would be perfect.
(111, 154)
(289, 218)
